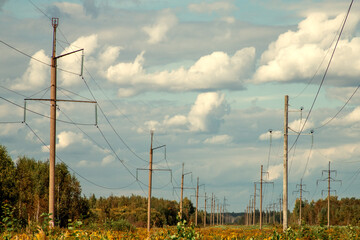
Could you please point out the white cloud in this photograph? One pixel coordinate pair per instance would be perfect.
(219, 139)
(351, 118)
(107, 160)
(274, 135)
(275, 171)
(214, 71)
(207, 112)
(36, 75)
(297, 125)
(211, 7)
(206, 115)
(67, 139)
(157, 31)
(72, 62)
(297, 55)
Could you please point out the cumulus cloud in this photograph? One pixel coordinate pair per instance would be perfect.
(207, 112)
(217, 70)
(219, 139)
(296, 55)
(205, 7)
(73, 62)
(275, 171)
(206, 115)
(274, 135)
(157, 31)
(349, 119)
(67, 139)
(297, 125)
(36, 75)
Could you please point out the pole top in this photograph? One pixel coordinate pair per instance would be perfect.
(55, 22)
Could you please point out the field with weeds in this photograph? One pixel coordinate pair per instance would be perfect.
(184, 231)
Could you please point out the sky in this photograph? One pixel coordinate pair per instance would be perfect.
(209, 78)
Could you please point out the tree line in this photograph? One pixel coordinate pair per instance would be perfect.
(24, 191)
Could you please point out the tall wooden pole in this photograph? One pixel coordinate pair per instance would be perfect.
(182, 192)
(150, 183)
(205, 212)
(300, 201)
(254, 204)
(217, 215)
(261, 180)
(55, 23)
(285, 175)
(197, 200)
(328, 212)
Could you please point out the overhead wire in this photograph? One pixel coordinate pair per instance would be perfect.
(86, 179)
(348, 100)
(324, 76)
(308, 158)
(322, 61)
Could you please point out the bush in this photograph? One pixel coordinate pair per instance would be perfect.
(120, 225)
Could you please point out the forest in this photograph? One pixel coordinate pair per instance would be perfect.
(24, 197)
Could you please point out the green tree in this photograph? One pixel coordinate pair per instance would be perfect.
(8, 191)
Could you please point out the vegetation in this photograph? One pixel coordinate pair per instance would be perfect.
(24, 207)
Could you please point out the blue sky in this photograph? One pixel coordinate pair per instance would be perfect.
(209, 77)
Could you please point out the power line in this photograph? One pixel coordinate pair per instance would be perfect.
(322, 61)
(86, 179)
(327, 122)
(325, 74)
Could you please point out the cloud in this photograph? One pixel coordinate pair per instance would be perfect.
(107, 160)
(36, 75)
(157, 31)
(211, 7)
(67, 139)
(206, 115)
(296, 55)
(275, 171)
(219, 139)
(274, 135)
(217, 70)
(207, 112)
(72, 62)
(298, 124)
(349, 119)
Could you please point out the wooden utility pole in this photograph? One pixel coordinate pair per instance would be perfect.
(197, 200)
(254, 216)
(53, 104)
(329, 179)
(280, 203)
(150, 183)
(300, 191)
(211, 214)
(217, 214)
(250, 211)
(55, 23)
(261, 180)
(285, 175)
(261, 183)
(151, 170)
(205, 212)
(182, 190)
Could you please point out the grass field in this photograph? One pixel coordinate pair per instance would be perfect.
(181, 231)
